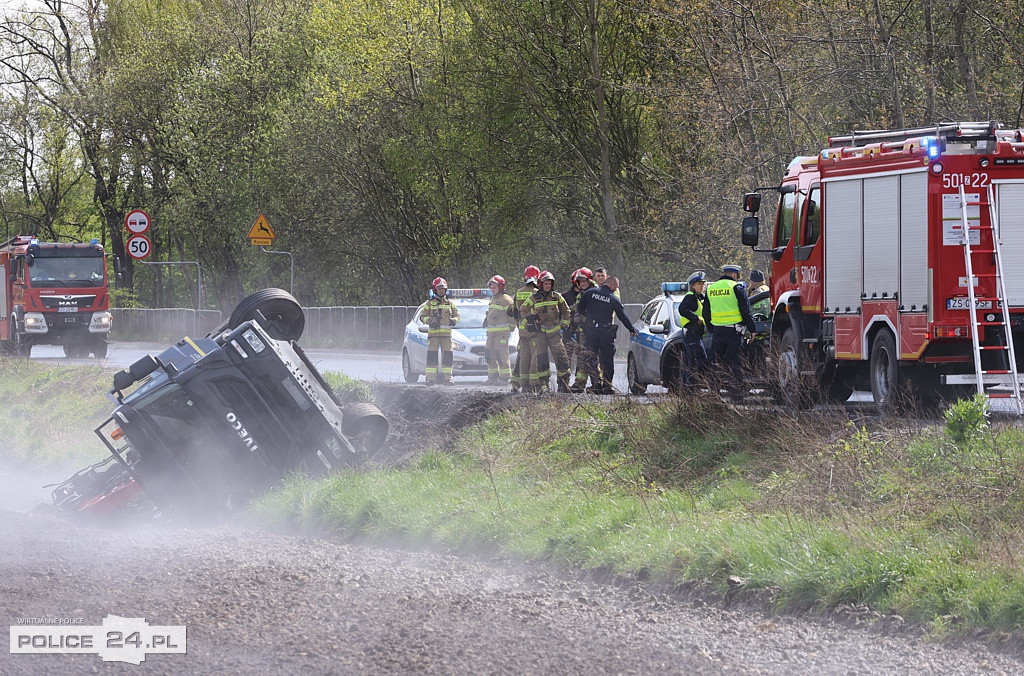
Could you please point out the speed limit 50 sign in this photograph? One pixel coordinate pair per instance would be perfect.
(138, 246)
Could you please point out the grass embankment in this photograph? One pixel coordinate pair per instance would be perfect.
(923, 522)
(47, 413)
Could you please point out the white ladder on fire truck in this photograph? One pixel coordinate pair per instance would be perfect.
(999, 301)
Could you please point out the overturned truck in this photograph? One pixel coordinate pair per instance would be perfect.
(210, 423)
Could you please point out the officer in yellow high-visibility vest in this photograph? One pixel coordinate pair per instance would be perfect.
(727, 311)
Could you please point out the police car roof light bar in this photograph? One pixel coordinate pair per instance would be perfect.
(668, 288)
(466, 293)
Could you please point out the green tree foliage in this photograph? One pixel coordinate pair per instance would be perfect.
(391, 141)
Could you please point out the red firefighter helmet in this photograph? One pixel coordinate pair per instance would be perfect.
(439, 281)
(574, 275)
(499, 280)
(586, 272)
(531, 271)
(545, 277)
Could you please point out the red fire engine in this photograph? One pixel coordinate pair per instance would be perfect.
(888, 252)
(53, 294)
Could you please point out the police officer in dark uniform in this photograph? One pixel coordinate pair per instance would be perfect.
(727, 310)
(597, 306)
(691, 318)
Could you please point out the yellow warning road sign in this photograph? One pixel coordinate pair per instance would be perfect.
(260, 234)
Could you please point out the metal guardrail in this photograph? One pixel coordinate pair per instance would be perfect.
(377, 326)
(131, 323)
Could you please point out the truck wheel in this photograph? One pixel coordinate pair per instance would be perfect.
(18, 347)
(285, 319)
(631, 376)
(407, 372)
(365, 427)
(790, 387)
(886, 381)
(99, 349)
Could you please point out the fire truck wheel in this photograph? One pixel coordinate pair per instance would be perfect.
(790, 388)
(99, 349)
(886, 383)
(836, 390)
(365, 427)
(285, 319)
(18, 347)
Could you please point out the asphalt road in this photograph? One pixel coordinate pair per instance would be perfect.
(365, 365)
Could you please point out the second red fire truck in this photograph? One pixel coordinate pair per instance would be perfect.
(53, 294)
(896, 266)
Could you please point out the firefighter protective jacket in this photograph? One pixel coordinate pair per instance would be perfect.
(498, 319)
(440, 315)
(516, 309)
(550, 310)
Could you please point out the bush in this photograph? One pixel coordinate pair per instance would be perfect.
(966, 419)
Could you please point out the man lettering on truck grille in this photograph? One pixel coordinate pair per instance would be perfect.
(727, 310)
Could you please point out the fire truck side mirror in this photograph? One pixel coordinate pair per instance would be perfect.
(752, 202)
(751, 231)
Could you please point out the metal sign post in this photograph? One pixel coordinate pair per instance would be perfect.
(291, 258)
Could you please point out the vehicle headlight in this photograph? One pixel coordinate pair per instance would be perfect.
(458, 347)
(35, 322)
(101, 321)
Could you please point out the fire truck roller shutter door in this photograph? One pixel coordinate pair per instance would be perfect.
(914, 241)
(843, 239)
(881, 237)
(1010, 200)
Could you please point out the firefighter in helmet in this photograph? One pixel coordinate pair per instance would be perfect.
(546, 315)
(523, 367)
(727, 311)
(691, 310)
(499, 326)
(581, 280)
(439, 314)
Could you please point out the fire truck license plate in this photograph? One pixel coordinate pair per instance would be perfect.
(964, 303)
(67, 309)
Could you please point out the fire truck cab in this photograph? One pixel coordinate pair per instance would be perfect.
(53, 294)
(869, 264)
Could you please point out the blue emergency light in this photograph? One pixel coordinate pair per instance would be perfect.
(932, 145)
(668, 288)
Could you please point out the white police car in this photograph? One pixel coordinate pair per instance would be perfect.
(469, 337)
(656, 353)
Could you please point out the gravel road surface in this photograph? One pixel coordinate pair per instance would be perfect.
(258, 602)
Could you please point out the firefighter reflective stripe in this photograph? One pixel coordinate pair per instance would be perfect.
(522, 295)
(683, 321)
(439, 314)
(550, 310)
(725, 307)
(498, 319)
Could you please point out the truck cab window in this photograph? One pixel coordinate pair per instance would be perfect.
(784, 221)
(812, 218)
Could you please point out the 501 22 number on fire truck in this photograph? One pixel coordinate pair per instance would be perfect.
(975, 180)
(809, 274)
